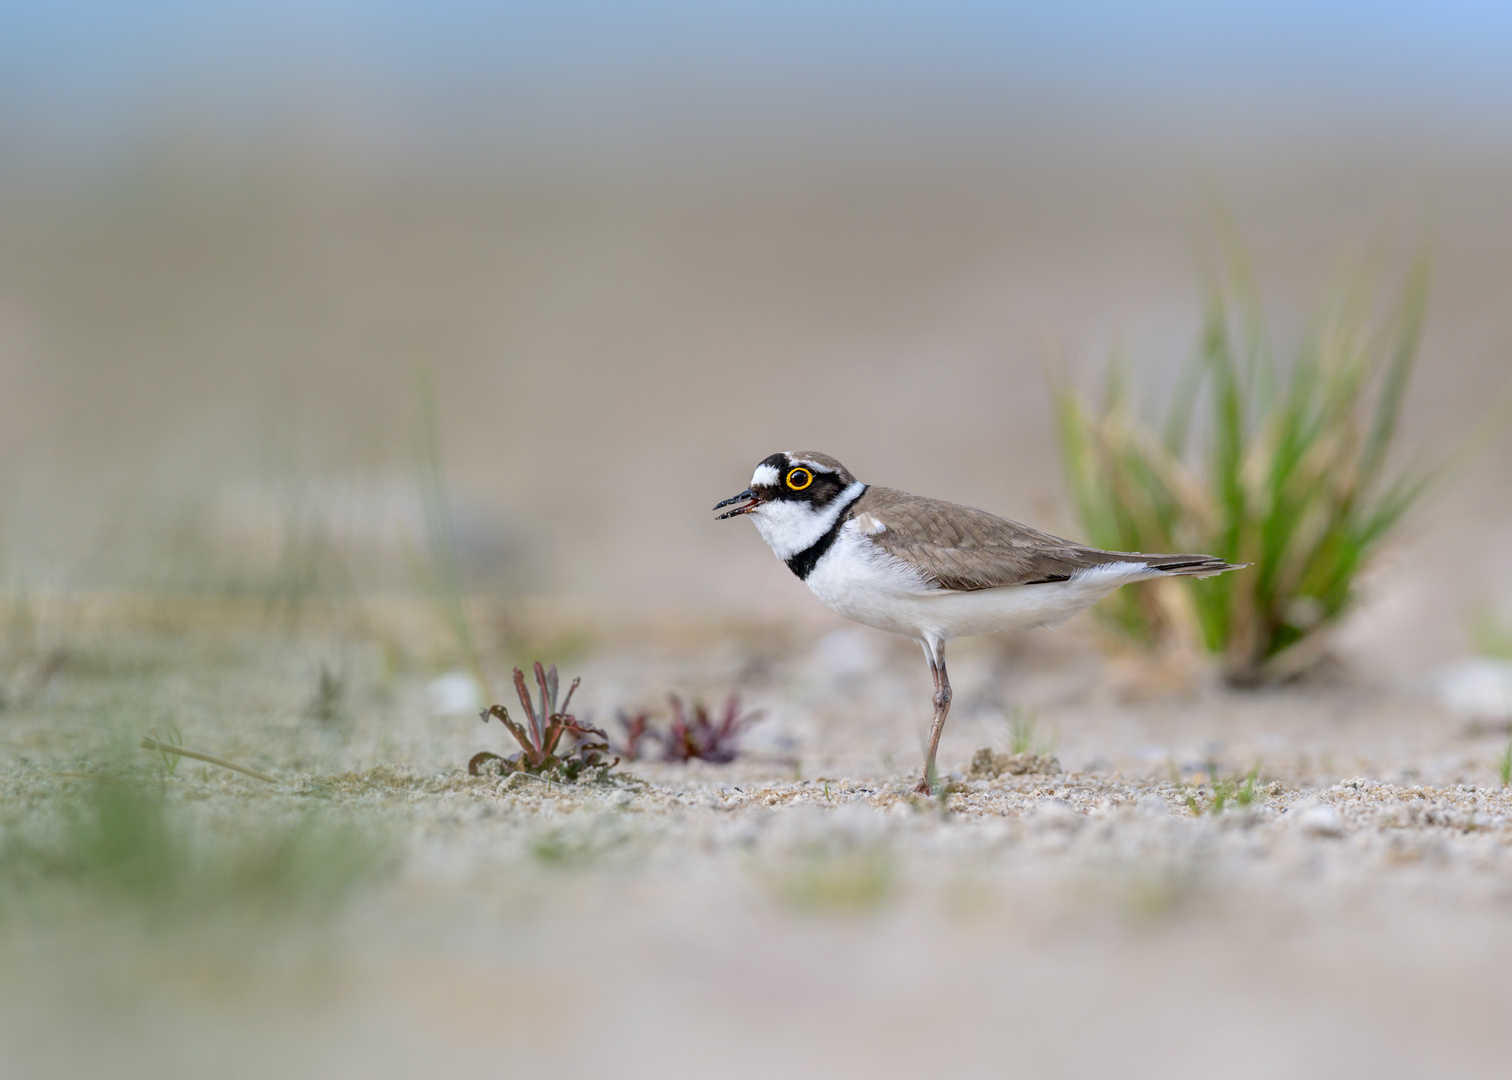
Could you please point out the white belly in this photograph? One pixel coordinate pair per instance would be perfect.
(860, 581)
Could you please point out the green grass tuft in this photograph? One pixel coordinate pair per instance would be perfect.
(1288, 472)
(1023, 733)
(1226, 792)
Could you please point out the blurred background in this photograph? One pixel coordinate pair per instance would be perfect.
(294, 294)
(635, 248)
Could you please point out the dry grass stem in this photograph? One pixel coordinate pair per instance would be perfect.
(199, 755)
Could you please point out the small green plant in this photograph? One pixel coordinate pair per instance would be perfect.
(1023, 737)
(540, 737)
(170, 759)
(1289, 473)
(177, 750)
(1240, 792)
(1236, 791)
(1028, 751)
(1504, 765)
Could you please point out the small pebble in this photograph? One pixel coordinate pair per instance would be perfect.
(1319, 819)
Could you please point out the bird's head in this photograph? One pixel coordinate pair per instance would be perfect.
(794, 498)
(795, 476)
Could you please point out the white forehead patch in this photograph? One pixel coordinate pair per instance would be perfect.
(764, 476)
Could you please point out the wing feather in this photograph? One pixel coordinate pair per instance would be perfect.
(964, 549)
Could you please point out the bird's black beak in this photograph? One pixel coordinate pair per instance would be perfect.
(745, 509)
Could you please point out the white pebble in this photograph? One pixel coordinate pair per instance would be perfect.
(1319, 819)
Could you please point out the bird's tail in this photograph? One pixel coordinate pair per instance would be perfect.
(1189, 565)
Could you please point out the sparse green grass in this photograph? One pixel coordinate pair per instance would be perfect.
(175, 738)
(1149, 895)
(131, 848)
(1490, 637)
(1504, 765)
(939, 792)
(1023, 733)
(833, 878)
(178, 750)
(1226, 791)
(442, 570)
(1290, 471)
(314, 569)
(576, 847)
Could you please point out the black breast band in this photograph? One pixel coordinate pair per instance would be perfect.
(804, 562)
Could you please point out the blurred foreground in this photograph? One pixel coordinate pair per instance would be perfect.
(378, 912)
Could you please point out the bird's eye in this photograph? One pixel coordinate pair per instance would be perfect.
(798, 479)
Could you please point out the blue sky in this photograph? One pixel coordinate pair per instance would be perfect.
(101, 66)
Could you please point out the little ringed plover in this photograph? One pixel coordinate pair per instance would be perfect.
(928, 569)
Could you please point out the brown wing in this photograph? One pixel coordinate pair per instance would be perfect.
(964, 549)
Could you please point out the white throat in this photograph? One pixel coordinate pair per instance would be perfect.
(790, 526)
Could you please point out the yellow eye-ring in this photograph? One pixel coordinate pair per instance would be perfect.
(798, 479)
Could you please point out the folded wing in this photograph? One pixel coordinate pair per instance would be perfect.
(964, 549)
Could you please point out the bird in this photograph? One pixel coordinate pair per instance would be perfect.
(927, 569)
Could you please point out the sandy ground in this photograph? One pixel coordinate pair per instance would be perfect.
(797, 910)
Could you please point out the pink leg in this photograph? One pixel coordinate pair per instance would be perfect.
(935, 653)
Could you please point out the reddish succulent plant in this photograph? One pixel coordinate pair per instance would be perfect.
(637, 732)
(699, 736)
(541, 736)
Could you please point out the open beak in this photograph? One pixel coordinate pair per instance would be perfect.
(744, 508)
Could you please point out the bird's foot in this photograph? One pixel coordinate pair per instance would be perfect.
(923, 787)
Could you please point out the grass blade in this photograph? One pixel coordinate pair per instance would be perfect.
(445, 569)
(200, 755)
(1290, 475)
